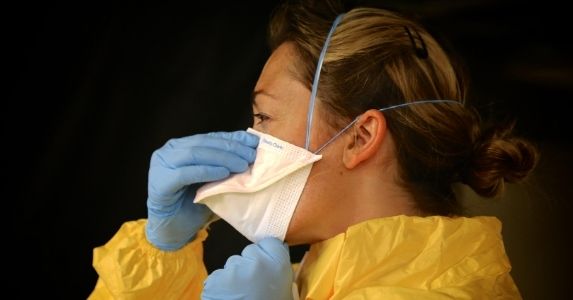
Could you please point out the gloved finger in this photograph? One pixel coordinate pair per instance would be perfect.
(213, 157)
(215, 278)
(270, 248)
(165, 182)
(241, 136)
(220, 284)
(205, 141)
(200, 156)
(236, 261)
(198, 174)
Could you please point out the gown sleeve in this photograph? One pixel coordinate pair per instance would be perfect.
(129, 267)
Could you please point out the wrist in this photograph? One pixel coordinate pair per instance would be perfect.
(162, 209)
(163, 237)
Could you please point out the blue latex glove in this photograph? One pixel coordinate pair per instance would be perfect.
(262, 271)
(177, 168)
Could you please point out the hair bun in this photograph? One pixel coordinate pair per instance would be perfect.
(499, 158)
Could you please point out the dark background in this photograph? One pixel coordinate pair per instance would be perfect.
(95, 87)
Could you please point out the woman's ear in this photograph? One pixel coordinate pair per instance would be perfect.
(365, 138)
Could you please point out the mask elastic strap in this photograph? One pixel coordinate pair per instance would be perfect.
(383, 109)
(316, 79)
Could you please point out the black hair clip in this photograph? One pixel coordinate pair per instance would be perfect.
(421, 52)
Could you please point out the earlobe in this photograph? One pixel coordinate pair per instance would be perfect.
(365, 139)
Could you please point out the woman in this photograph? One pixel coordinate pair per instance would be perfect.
(372, 110)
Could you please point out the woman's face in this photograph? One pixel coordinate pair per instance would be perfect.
(280, 108)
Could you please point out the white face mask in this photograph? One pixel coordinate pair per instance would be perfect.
(261, 201)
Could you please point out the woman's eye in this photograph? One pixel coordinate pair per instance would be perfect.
(260, 117)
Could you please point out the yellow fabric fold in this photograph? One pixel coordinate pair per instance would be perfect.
(131, 268)
(411, 257)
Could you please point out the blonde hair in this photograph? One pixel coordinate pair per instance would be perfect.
(375, 60)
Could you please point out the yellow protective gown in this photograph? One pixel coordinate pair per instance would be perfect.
(388, 258)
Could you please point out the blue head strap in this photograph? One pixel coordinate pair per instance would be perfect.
(316, 79)
(315, 89)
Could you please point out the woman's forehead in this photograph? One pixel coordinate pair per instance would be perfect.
(277, 78)
(278, 65)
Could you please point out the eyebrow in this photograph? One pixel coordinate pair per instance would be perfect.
(260, 92)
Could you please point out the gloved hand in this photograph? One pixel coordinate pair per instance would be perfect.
(262, 271)
(176, 168)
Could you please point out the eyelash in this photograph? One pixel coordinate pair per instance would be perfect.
(261, 117)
